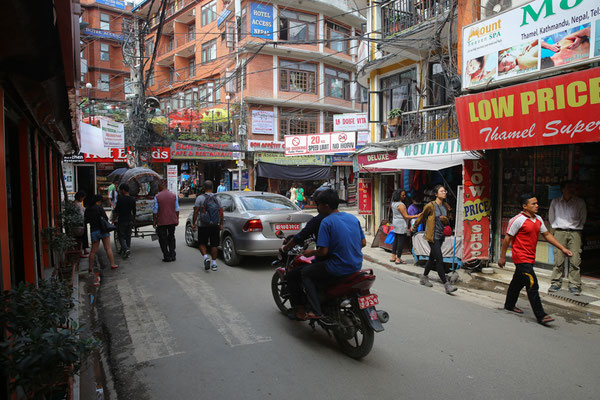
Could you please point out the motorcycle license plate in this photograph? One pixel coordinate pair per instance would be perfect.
(367, 301)
(287, 227)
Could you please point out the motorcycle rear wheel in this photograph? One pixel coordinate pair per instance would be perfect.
(361, 342)
(279, 290)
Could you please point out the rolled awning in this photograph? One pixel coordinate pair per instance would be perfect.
(292, 172)
(425, 163)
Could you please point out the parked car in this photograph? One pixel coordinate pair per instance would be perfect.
(250, 222)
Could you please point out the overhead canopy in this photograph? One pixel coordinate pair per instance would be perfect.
(425, 163)
(292, 172)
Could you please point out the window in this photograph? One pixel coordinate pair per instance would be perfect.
(335, 31)
(149, 47)
(297, 77)
(217, 90)
(230, 34)
(203, 98)
(192, 66)
(238, 79)
(398, 91)
(227, 202)
(296, 26)
(104, 52)
(297, 122)
(191, 33)
(104, 22)
(337, 83)
(243, 24)
(327, 121)
(209, 13)
(127, 89)
(104, 83)
(126, 25)
(209, 51)
(151, 80)
(437, 94)
(266, 202)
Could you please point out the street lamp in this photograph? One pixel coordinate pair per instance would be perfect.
(88, 86)
(228, 117)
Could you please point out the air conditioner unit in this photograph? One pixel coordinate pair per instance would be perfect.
(489, 8)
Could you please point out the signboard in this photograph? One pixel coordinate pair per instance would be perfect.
(434, 148)
(350, 122)
(172, 179)
(368, 159)
(560, 110)
(68, 175)
(322, 143)
(74, 158)
(236, 182)
(281, 159)
(262, 122)
(365, 196)
(262, 145)
(223, 16)
(103, 34)
(477, 210)
(120, 4)
(159, 154)
(261, 20)
(364, 137)
(202, 150)
(539, 36)
(113, 134)
(339, 160)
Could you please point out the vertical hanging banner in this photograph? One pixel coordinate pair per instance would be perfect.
(172, 179)
(113, 134)
(365, 196)
(477, 210)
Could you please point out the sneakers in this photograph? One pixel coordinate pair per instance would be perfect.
(449, 288)
(575, 291)
(425, 281)
(554, 288)
(126, 253)
(214, 267)
(207, 264)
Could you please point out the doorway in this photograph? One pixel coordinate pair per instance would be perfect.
(86, 178)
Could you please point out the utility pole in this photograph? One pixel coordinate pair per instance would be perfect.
(242, 124)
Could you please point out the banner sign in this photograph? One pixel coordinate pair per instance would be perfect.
(477, 210)
(262, 145)
(113, 134)
(368, 159)
(103, 34)
(120, 4)
(350, 122)
(281, 159)
(74, 158)
(262, 122)
(223, 16)
(202, 150)
(434, 148)
(159, 154)
(341, 160)
(261, 20)
(321, 143)
(531, 39)
(365, 196)
(560, 110)
(172, 179)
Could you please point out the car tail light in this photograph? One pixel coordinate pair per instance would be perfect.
(253, 225)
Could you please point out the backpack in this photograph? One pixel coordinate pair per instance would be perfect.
(209, 213)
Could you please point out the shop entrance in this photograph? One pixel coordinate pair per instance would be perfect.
(86, 178)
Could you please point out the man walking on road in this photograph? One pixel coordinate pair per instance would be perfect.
(567, 216)
(208, 217)
(165, 219)
(124, 213)
(523, 231)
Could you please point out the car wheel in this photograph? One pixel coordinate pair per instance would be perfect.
(229, 254)
(189, 236)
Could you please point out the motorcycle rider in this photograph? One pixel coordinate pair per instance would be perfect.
(340, 241)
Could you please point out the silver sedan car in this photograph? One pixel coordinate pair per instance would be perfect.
(250, 222)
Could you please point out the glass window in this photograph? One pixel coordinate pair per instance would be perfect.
(337, 83)
(227, 202)
(399, 92)
(273, 203)
(297, 122)
(209, 51)
(335, 31)
(209, 13)
(436, 85)
(104, 52)
(127, 86)
(327, 121)
(104, 22)
(297, 77)
(217, 90)
(192, 66)
(191, 33)
(203, 97)
(297, 26)
(104, 83)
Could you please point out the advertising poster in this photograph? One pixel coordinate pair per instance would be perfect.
(532, 38)
(172, 179)
(261, 20)
(262, 122)
(365, 196)
(113, 134)
(477, 210)
(321, 143)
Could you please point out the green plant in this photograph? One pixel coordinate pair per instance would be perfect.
(43, 345)
(57, 240)
(395, 113)
(71, 218)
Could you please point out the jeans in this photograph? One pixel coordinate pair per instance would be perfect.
(125, 235)
(166, 239)
(572, 241)
(294, 286)
(435, 256)
(398, 246)
(525, 276)
(313, 274)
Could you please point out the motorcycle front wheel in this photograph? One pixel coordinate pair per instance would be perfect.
(280, 293)
(356, 340)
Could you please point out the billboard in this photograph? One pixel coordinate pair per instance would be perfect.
(476, 210)
(320, 143)
(538, 36)
(261, 20)
(262, 122)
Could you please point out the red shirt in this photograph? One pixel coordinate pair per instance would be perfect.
(525, 231)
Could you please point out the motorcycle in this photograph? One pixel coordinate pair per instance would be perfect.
(348, 306)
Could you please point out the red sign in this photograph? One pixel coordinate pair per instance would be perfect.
(477, 210)
(560, 110)
(368, 159)
(159, 154)
(365, 196)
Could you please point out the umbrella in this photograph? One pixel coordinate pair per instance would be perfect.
(116, 174)
(142, 181)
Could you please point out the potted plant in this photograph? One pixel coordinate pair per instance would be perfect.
(72, 219)
(65, 250)
(394, 117)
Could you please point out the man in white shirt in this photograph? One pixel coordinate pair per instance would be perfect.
(567, 216)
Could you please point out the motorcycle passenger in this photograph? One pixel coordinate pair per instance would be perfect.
(340, 240)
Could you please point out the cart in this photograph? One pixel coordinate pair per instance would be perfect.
(142, 225)
(451, 251)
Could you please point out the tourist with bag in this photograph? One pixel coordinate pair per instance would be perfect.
(100, 230)
(208, 218)
(399, 222)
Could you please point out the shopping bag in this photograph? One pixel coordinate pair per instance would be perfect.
(389, 239)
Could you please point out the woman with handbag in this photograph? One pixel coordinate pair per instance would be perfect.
(399, 222)
(100, 230)
(437, 227)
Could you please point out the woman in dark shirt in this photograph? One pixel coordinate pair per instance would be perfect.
(93, 214)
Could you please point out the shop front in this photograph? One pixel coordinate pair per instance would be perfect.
(546, 133)
(345, 180)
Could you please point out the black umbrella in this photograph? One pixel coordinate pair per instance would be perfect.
(116, 174)
(142, 181)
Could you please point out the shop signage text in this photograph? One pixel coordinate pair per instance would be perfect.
(560, 110)
(172, 179)
(159, 154)
(435, 148)
(120, 4)
(281, 159)
(477, 210)
(262, 122)
(350, 122)
(365, 196)
(222, 151)
(262, 145)
(368, 159)
(113, 134)
(261, 20)
(103, 34)
(322, 143)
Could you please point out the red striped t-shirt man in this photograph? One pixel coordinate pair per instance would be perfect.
(525, 230)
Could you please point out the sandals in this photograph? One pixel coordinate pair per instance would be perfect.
(393, 259)
(400, 261)
(515, 310)
(546, 320)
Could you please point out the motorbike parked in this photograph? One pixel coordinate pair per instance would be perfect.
(348, 307)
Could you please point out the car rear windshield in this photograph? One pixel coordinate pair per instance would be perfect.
(255, 203)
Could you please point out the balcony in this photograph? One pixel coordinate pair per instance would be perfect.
(400, 15)
(436, 123)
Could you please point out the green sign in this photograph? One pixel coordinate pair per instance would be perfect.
(281, 159)
(435, 148)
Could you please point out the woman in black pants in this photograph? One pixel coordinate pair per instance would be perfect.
(436, 217)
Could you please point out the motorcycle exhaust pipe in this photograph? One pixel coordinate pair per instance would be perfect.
(383, 316)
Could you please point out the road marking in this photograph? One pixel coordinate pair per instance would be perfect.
(148, 328)
(230, 323)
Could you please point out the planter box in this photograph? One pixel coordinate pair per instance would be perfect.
(394, 121)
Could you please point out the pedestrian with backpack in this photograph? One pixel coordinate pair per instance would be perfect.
(208, 217)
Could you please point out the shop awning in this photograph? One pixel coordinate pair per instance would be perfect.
(425, 163)
(292, 172)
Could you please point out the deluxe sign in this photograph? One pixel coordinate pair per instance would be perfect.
(322, 143)
(368, 159)
(541, 35)
(350, 122)
(261, 20)
(560, 110)
(476, 209)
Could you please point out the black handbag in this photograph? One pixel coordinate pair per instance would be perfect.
(106, 226)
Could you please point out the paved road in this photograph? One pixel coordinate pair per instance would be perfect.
(177, 332)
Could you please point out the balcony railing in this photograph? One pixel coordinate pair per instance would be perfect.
(436, 123)
(185, 38)
(399, 15)
(172, 9)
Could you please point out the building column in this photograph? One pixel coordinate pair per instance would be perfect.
(4, 245)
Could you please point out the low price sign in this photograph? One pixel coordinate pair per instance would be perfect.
(477, 209)
(322, 143)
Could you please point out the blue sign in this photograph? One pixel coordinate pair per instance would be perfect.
(223, 16)
(261, 20)
(120, 4)
(103, 34)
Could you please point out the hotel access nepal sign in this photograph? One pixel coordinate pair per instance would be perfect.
(560, 110)
(320, 143)
(529, 40)
(477, 209)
